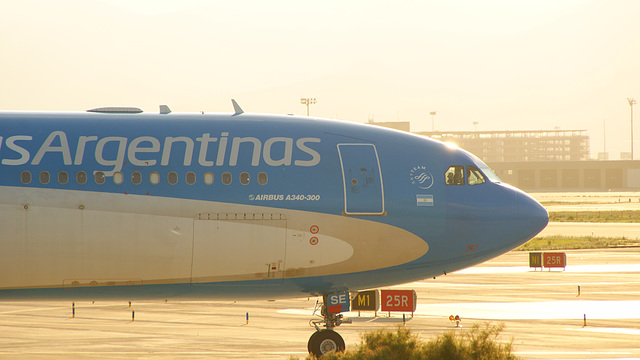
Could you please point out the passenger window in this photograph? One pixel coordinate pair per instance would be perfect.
(244, 178)
(454, 175)
(208, 178)
(25, 177)
(474, 176)
(172, 178)
(63, 177)
(226, 178)
(44, 177)
(262, 178)
(99, 176)
(136, 178)
(191, 178)
(118, 178)
(154, 178)
(81, 177)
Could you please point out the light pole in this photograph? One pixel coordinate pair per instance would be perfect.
(632, 102)
(604, 134)
(307, 101)
(433, 114)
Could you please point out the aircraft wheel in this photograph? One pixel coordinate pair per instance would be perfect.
(325, 341)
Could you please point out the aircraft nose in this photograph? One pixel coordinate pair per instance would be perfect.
(532, 217)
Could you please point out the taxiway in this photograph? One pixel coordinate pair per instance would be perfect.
(542, 312)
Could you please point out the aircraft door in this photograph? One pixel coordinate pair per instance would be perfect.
(362, 179)
(239, 247)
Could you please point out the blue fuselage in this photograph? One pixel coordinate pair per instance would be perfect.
(317, 206)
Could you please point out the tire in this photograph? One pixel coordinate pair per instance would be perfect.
(325, 341)
(311, 345)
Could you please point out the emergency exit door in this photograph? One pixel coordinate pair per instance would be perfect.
(362, 179)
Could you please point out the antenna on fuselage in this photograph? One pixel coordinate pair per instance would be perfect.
(238, 110)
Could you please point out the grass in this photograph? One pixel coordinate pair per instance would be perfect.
(478, 343)
(576, 242)
(559, 242)
(626, 216)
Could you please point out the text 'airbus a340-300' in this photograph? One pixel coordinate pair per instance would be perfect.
(115, 203)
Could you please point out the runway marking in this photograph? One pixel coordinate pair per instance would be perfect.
(544, 310)
(439, 285)
(306, 312)
(569, 269)
(609, 330)
(33, 309)
(574, 353)
(129, 353)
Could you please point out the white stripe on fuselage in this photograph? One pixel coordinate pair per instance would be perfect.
(54, 238)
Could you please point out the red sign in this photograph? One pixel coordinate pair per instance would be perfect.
(398, 300)
(550, 260)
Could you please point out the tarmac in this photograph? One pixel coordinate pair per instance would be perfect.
(589, 201)
(613, 230)
(543, 312)
(593, 201)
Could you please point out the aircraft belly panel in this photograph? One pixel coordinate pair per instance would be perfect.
(335, 245)
(248, 249)
(61, 247)
(307, 250)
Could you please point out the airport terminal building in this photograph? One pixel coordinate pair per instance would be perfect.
(545, 160)
(586, 175)
(542, 160)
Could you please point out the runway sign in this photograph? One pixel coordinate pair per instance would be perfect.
(399, 300)
(366, 301)
(550, 260)
(337, 303)
(535, 259)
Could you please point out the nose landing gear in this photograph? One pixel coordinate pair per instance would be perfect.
(326, 340)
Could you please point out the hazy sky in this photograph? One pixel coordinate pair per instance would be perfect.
(509, 65)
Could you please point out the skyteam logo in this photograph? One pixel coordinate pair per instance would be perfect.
(421, 177)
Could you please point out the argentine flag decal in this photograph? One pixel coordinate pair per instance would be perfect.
(424, 200)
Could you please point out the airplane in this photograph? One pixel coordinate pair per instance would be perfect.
(116, 203)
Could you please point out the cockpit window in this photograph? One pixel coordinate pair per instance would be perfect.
(486, 170)
(474, 176)
(454, 175)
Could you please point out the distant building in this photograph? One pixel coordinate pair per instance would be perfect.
(523, 145)
(542, 160)
(570, 175)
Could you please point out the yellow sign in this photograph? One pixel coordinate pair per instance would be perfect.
(366, 301)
